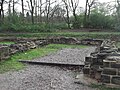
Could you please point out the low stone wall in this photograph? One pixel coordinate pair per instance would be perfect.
(91, 41)
(104, 64)
(19, 46)
(24, 44)
(71, 40)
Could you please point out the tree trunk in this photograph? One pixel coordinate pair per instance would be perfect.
(1, 12)
(13, 8)
(85, 15)
(67, 11)
(32, 11)
(68, 18)
(22, 10)
(9, 11)
(32, 16)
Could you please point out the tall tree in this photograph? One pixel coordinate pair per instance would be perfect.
(85, 16)
(9, 10)
(31, 9)
(1, 11)
(13, 7)
(22, 9)
(118, 11)
(67, 11)
(48, 10)
(88, 5)
(73, 5)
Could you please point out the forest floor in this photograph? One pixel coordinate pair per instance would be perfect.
(39, 77)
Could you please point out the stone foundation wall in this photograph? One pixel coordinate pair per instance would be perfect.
(24, 44)
(104, 64)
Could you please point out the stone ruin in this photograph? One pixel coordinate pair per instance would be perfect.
(24, 44)
(104, 64)
(20, 46)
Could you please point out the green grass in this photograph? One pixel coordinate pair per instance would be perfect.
(12, 63)
(7, 43)
(102, 35)
(60, 46)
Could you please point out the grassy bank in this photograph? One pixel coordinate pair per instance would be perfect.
(100, 35)
(12, 63)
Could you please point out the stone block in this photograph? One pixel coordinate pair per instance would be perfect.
(119, 49)
(115, 80)
(94, 60)
(102, 55)
(108, 51)
(4, 52)
(107, 63)
(110, 71)
(86, 70)
(94, 43)
(115, 65)
(88, 59)
(105, 78)
(94, 54)
(95, 67)
(100, 61)
(87, 63)
(104, 48)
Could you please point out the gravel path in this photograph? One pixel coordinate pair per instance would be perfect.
(71, 56)
(38, 77)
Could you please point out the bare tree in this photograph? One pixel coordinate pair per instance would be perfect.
(85, 16)
(73, 5)
(13, 8)
(31, 9)
(67, 11)
(89, 4)
(40, 11)
(118, 10)
(22, 8)
(57, 13)
(1, 11)
(9, 10)
(48, 10)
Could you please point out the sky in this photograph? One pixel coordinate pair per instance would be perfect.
(81, 4)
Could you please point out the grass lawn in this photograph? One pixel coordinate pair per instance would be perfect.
(12, 63)
(7, 43)
(102, 35)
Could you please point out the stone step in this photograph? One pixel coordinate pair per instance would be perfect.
(51, 63)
